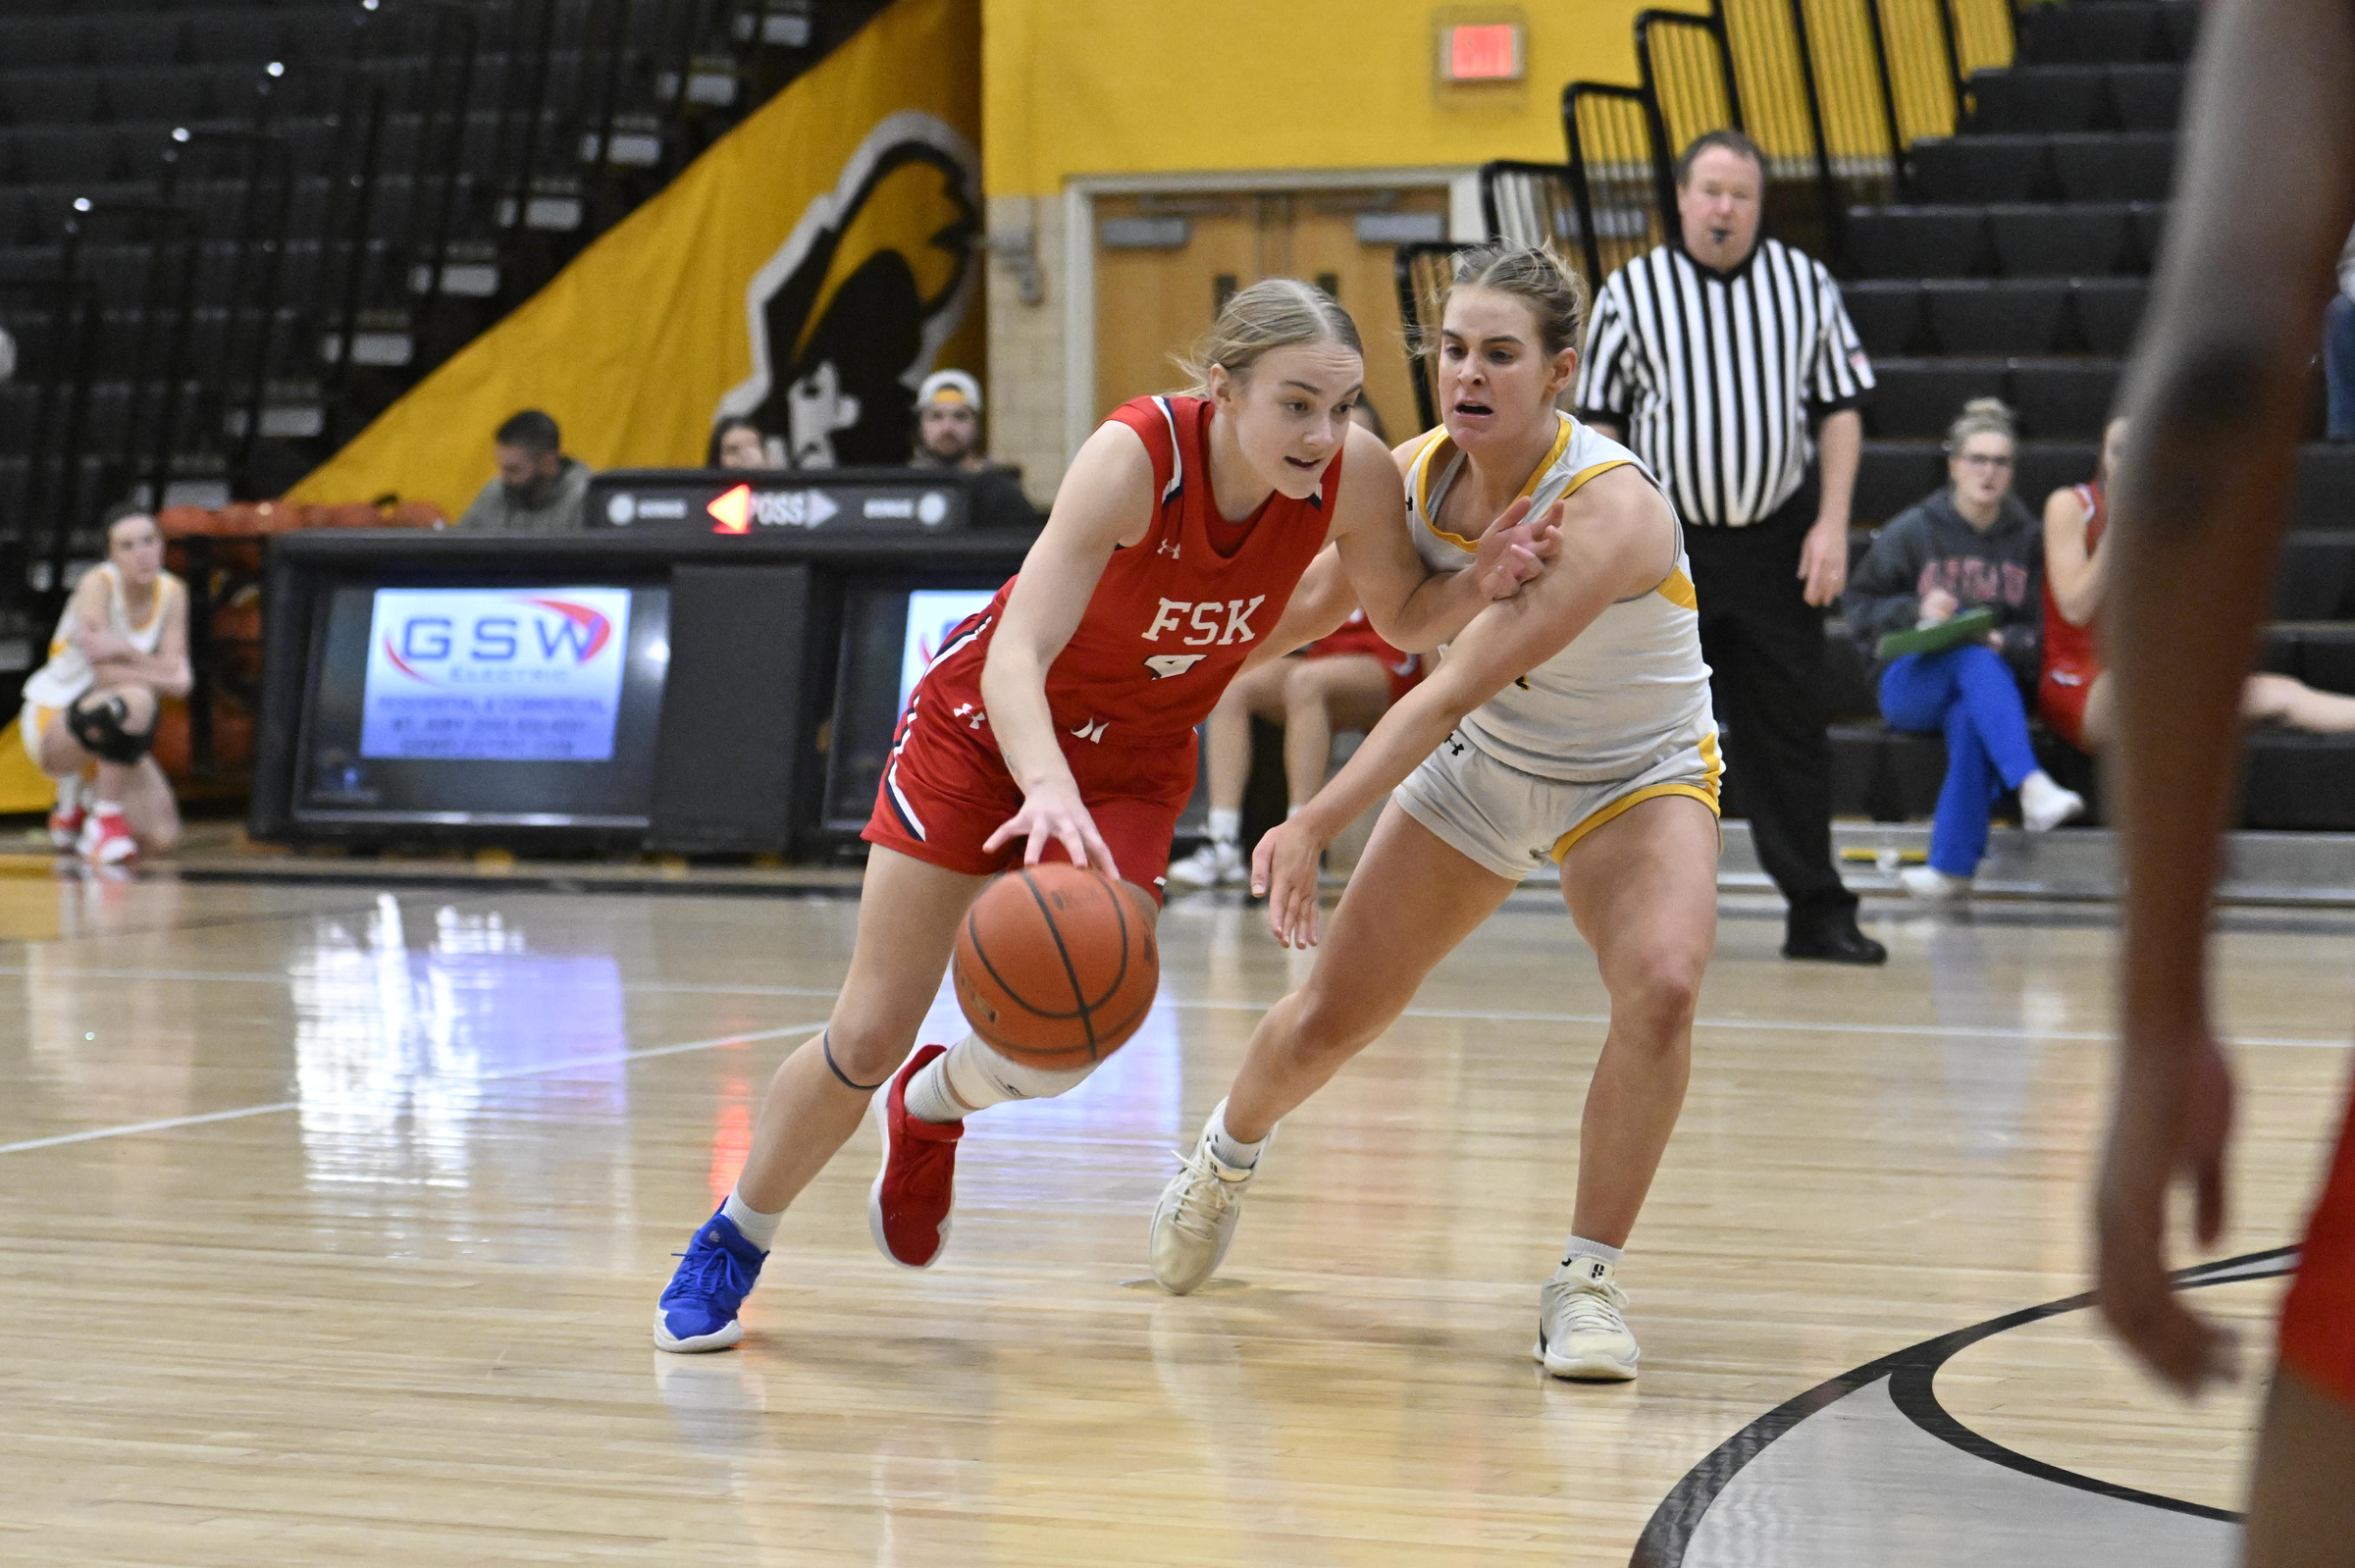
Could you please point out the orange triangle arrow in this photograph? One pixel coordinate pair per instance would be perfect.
(734, 510)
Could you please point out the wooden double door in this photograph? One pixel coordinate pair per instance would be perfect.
(1166, 263)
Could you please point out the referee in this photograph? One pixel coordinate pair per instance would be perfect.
(1712, 358)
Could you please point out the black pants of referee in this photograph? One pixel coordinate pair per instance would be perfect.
(1764, 644)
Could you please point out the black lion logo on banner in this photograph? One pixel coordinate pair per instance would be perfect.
(849, 315)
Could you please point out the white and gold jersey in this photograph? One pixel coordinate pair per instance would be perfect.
(68, 673)
(1628, 692)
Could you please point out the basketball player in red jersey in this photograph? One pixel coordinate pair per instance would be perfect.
(2217, 396)
(1061, 721)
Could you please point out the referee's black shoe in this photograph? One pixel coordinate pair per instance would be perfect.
(1832, 939)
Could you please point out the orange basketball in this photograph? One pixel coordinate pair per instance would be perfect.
(1056, 967)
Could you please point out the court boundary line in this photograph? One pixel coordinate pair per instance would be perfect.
(1990, 1031)
(1668, 1534)
(280, 1107)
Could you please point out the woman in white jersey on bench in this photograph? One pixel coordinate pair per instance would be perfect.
(1571, 725)
(122, 647)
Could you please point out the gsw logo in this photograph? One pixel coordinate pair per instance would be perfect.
(1164, 665)
(1093, 730)
(1213, 620)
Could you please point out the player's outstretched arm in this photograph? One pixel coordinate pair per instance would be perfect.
(1106, 500)
(1617, 538)
(1413, 607)
(2217, 394)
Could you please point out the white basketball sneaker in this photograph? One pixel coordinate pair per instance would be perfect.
(1194, 1221)
(1214, 865)
(1581, 1334)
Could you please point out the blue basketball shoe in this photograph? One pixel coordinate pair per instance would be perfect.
(716, 1272)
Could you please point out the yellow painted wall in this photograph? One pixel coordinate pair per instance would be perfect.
(1126, 86)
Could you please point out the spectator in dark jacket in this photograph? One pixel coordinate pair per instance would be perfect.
(1970, 546)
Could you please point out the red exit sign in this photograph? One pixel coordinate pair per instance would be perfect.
(1486, 51)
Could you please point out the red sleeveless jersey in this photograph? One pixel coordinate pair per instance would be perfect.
(1174, 615)
(2066, 647)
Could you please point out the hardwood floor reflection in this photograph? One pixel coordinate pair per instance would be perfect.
(336, 1220)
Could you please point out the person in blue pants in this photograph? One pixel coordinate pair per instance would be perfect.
(1969, 545)
(2338, 350)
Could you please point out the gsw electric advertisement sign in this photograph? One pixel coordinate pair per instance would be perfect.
(487, 674)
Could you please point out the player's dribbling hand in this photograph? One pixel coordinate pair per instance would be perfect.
(1053, 815)
(1516, 547)
(1283, 872)
(2172, 1120)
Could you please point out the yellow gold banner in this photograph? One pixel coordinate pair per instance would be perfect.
(807, 271)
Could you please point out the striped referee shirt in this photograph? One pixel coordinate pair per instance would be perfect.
(1713, 375)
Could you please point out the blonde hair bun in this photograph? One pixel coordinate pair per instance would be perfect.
(1982, 416)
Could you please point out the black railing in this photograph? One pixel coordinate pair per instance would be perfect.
(1619, 174)
(1530, 204)
(1833, 91)
(1423, 268)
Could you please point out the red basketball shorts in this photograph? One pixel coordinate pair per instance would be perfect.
(946, 789)
(2317, 1321)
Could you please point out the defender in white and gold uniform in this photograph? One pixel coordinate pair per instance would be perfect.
(1571, 725)
(120, 647)
(1619, 716)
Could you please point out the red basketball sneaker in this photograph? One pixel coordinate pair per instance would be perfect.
(907, 1207)
(106, 837)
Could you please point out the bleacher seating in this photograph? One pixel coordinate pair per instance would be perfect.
(245, 119)
(2015, 265)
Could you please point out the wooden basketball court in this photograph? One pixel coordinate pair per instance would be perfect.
(335, 1216)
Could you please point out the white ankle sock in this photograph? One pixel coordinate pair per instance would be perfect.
(929, 1097)
(971, 1077)
(1581, 1247)
(1226, 827)
(107, 807)
(758, 1229)
(1229, 1150)
(68, 793)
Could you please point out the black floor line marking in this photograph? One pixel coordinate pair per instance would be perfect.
(1911, 1372)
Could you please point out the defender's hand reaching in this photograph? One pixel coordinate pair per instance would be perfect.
(1516, 548)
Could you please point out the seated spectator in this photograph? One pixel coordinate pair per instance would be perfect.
(537, 490)
(737, 443)
(122, 647)
(1969, 545)
(948, 434)
(2338, 349)
(1340, 683)
(2073, 695)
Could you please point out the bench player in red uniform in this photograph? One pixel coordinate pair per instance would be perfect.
(2216, 396)
(1060, 720)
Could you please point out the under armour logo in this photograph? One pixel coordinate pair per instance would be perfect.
(1455, 744)
(1170, 550)
(1164, 665)
(978, 719)
(1597, 1269)
(1093, 730)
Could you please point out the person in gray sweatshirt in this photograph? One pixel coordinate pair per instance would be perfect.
(1969, 545)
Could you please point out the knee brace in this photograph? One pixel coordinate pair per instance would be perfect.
(981, 1077)
(98, 726)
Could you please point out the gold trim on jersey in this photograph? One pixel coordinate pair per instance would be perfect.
(1677, 589)
(1561, 444)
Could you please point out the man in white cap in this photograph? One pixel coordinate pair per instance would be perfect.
(948, 434)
